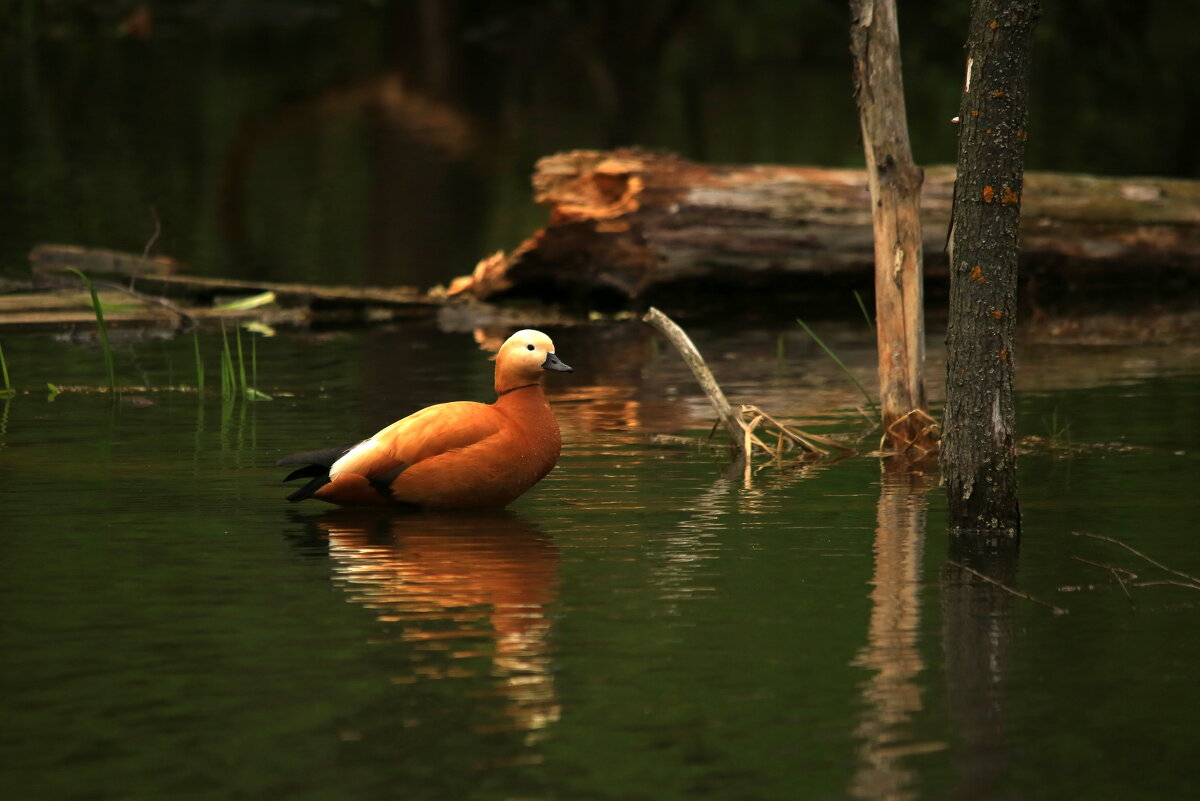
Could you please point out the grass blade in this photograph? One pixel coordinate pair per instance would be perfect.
(199, 362)
(102, 330)
(838, 362)
(237, 332)
(863, 307)
(227, 376)
(251, 302)
(8, 391)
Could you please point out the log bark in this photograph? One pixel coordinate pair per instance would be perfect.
(978, 459)
(632, 223)
(894, 182)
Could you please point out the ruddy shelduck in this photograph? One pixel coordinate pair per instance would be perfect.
(459, 455)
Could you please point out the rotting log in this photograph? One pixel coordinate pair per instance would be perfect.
(59, 258)
(149, 293)
(630, 221)
(54, 269)
(894, 182)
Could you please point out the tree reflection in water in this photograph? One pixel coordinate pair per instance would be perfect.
(892, 695)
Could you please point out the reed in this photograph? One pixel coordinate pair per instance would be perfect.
(242, 383)
(863, 308)
(234, 379)
(8, 391)
(102, 330)
(228, 378)
(199, 362)
(829, 352)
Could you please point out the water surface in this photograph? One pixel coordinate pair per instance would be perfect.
(643, 625)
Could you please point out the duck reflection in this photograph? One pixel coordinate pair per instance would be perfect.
(466, 584)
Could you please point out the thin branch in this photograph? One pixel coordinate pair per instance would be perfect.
(1194, 580)
(1058, 610)
(1115, 571)
(676, 336)
(1121, 581)
(1113, 568)
(1173, 583)
(155, 235)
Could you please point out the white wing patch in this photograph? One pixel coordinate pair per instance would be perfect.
(353, 455)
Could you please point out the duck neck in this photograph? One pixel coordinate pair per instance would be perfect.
(505, 389)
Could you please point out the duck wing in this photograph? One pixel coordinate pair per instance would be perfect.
(431, 432)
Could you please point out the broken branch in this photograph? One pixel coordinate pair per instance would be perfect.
(1058, 610)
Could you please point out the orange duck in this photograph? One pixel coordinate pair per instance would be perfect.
(458, 455)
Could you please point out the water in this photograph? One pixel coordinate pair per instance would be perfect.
(646, 624)
(643, 625)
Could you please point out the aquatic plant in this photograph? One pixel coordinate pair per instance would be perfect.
(829, 352)
(228, 380)
(233, 379)
(102, 331)
(8, 391)
(863, 307)
(1058, 431)
(199, 362)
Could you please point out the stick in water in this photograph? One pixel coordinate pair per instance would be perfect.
(704, 376)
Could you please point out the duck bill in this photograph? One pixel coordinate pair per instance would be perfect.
(554, 363)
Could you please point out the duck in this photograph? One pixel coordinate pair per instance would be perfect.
(457, 455)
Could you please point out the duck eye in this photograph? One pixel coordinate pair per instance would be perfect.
(529, 347)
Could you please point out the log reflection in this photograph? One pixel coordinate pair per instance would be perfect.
(892, 696)
(468, 585)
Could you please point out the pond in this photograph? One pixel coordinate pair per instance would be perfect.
(644, 624)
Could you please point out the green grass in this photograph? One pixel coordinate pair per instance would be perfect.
(233, 377)
(1058, 431)
(8, 391)
(228, 379)
(199, 362)
(839, 363)
(863, 307)
(102, 330)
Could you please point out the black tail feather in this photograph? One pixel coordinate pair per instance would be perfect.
(315, 467)
(308, 471)
(325, 457)
(314, 484)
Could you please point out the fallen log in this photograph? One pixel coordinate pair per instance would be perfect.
(159, 276)
(150, 293)
(629, 222)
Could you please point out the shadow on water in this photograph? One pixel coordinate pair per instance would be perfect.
(462, 586)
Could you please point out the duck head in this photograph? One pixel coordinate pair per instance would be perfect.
(524, 358)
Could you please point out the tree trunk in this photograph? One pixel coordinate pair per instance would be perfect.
(978, 461)
(895, 186)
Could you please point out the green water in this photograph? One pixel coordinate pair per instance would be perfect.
(643, 625)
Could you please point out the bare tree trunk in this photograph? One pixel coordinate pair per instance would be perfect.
(978, 461)
(895, 185)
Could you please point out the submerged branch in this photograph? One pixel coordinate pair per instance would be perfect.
(1058, 610)
(1194, 581)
